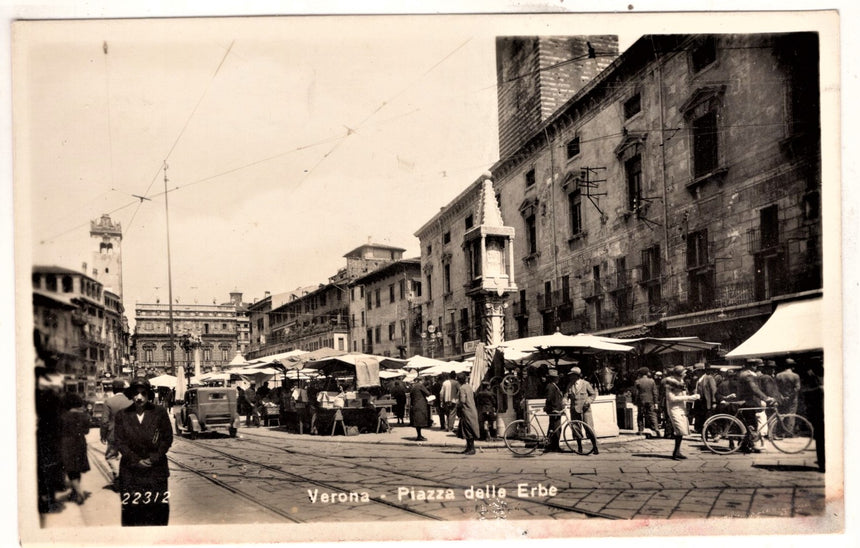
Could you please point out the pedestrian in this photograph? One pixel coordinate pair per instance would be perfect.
(398, 392)
(49, 406)
(767, 383)
(752, 396)
(486, 402)
(788, 384)
(252, 409)
(706, 388)
(143, 435)
(113, 405)
(646, 395)
(812, 391)
(263, 391)
(450, 394)
(554, 408)
(436, 390)
(74, 425)
(676, 406)
(581, 395)
(419, 411)
(468, 412)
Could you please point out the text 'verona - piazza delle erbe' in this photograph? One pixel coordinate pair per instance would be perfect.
(429, 494)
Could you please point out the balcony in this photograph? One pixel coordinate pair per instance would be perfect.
(520, 308)
(592, 289)
(618, 282)
(768, 243)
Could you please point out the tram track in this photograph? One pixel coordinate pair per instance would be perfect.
(329, 487)
(388, 472)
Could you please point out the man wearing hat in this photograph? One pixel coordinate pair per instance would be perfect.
(581, 394)
(553, 407)
(113, 405)
(751, 394)
(143, 436)
(646, 394)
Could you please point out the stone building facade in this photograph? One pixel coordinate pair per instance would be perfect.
(216, 325)
(383, 317)
(677, 193)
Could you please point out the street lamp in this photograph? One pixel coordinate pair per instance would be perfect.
(189, 343)
(430, 338)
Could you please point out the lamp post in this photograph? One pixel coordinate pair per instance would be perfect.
(430, 338)
(190, 343)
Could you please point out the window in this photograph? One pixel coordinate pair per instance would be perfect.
(574, 202)
(429, 249)
(368, 301)
(51, 282)
(573, 148)
(704, 54)
(530, 178)
(705, 142)
(429, 286)
(378, 298)
(402, 284)
(225, 354)
(531, 231)
(701, 289)
(352, 294)
(565, 289)
(522, 326)
(68, 285)
(416, 288)
(633, 173)
(464, 324)
(651, 264)
(446, 238)
(622, 306)
(632, 106)
(547, 294)
(391, 331)
(147, 355)
(697, 249)
(390, 293)
(362, 318)
(769, 219)
(446, 281)
(470, 221)
(361, 292)
(206, 328)
(378, 331)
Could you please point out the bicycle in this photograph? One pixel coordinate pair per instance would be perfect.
(724, 433)
(524, 437)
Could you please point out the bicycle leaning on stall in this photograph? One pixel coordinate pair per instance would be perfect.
(724, 433)
(523, 437)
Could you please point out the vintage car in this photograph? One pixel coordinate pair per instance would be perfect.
(96, 410)
(207, 409)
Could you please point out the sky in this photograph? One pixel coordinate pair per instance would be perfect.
(288, 141)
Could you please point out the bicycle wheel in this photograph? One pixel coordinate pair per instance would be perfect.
(579, 437)
(521, 438)
(723, 434)
(790, 433)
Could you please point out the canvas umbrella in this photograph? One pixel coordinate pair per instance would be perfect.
(558, 346)
(657, 345)
(165, 381)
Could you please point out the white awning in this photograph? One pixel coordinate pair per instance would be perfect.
(793, 327)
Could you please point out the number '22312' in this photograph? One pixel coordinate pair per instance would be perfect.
(147, 497)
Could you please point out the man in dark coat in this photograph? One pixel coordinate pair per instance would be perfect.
(788, 383)
(468, 412)
(646, 394)
(706, 388)
(419, 410)
(553, 407)
(143, 435)
(398, 392)
(486, 402)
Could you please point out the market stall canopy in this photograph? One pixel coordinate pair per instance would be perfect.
(166, 381)
(417, 362)
(271, 359)
(364, 366)
(792, 328)
(656, 345)
(238, 360)
(306, 359)
(456, 367)
(577, 344)
(392, 373)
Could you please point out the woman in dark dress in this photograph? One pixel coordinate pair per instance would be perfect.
(74, 425)
(419, 411)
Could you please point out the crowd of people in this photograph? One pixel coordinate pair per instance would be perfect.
(136, 432)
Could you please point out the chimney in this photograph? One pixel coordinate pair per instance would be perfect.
(84, 267)
(267, 294)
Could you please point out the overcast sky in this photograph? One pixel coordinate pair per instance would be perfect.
(289, 141)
